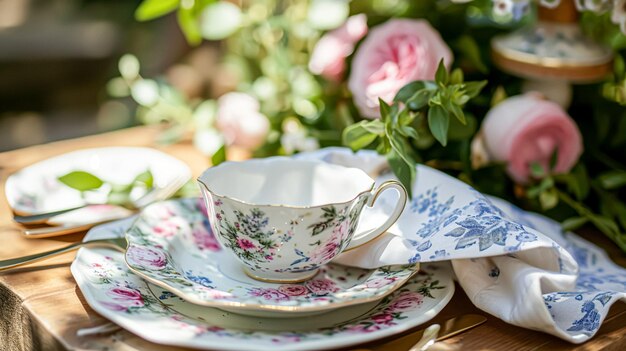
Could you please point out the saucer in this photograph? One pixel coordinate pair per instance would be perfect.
(35, 189)
(171, 245)
(146, 310)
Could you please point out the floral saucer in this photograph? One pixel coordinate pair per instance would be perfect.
(35, 189)
(171, 245)
(113, 291)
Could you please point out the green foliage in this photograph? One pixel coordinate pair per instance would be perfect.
(398, 130)
(81, 181)
(119, 193)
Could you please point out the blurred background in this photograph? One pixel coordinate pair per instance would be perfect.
(56, 57)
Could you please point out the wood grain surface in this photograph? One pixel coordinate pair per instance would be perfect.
(41, 308)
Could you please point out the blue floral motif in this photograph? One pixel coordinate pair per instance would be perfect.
(204, 281)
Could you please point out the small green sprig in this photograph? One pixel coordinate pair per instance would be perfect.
(398, 129)
(119, 194)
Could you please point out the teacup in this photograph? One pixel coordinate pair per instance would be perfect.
(285, 218)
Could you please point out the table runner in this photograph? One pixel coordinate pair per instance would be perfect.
(515, 265)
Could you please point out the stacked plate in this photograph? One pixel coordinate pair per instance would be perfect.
(175, 285)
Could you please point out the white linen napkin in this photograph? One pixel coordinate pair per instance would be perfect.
(513, 264)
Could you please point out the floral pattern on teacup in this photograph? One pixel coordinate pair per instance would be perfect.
(193, 269)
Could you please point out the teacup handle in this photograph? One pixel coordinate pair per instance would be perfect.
(367, 236)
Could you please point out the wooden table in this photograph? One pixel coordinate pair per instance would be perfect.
(41, 308)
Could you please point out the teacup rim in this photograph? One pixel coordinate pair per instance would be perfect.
(276, 158)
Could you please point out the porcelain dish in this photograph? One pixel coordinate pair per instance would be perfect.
(113, 291)
(35, 189)
(285, 218)
(171, 245)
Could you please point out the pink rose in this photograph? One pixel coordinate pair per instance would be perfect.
(328, 58)
(322, 286)
(393, 54)
(169, 227)
(405, 301)
(269, 294)
(526, 129)
(326, 252)
(293, 290)
(382, 318)
(150, 258)
(240, 121)
(123, 298)
(204, 239)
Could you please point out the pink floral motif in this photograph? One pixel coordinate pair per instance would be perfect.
(322, 286)
(204, 239)
(162, 212)
(150, 258)
(364, 328)
(123, 298)
(168, 228)
(382, 318)
(380, 282)
(293, 290)
(405, 301)
(269, 294)
(246, 244)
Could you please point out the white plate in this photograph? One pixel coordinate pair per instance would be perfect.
(161, 317)
(171, 245)
(35, 189)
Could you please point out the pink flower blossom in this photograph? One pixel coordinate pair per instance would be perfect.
(240, 121)
(245, 244)
(123, 298)
(526, 129)
(328, 58)
(382, 318)
(150, 258)
(204, 239)
(293, 290)
(269, 294)
(322, 286)
(405, 301)
(392, 55)
(168, 228)
(326, 252)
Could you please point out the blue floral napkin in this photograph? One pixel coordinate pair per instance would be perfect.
(516, 265)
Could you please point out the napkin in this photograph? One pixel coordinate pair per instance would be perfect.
(515, 265)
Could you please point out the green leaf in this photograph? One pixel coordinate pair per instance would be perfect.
(472, 89)
(619, 67)
(219, 156)
(405, 117)
(151, 9)
(357, 136)
(419, 100)
(457, 76)
(438, 122)
(498, 96)
(81, 181)
(574, 223)
(190, 25)
(145, 178)
(458, 131)
(536, 170)
(548, 199)
(457, 112)
(612, 180)
(407, 91)
(119, 198)
(409, 132)
(441, 76)
(376, 126)
(554, 158)
(404, 169)
(385, 110)
(471, 51)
